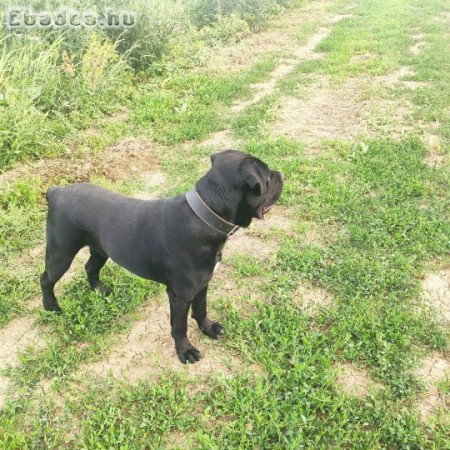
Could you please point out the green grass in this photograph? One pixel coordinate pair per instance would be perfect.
(47, 94)
(246, 266)
(108, 416)
(251, 121)
(21, 216)
(296, 402)
(382, 210)
(372, 268)
(190, 107)
(384, 35)
(16, 290)
(21, 228)
(89, 318)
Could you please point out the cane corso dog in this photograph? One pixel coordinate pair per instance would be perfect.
(175, 241)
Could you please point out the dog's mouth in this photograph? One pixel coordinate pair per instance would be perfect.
(262, 211)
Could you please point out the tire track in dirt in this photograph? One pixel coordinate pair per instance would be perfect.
(281, 37)
(306, 52)
(300, 54)
(326, 111)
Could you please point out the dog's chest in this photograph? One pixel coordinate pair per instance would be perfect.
(218, 261)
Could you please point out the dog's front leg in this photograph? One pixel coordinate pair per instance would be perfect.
(179, 309)
(199, 313)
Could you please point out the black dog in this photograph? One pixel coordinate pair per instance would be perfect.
(175, 241)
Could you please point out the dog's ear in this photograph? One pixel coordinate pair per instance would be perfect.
(252, 179)
(213, 157)
(226, 153)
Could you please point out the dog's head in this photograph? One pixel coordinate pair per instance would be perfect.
(243, 186)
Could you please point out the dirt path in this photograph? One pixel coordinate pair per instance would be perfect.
(297, 55)
(326, 110)
(301, 53)
(280, 39)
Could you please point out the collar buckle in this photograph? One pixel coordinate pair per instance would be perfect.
(233, 231)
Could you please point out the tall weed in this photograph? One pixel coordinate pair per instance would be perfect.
(45, 92)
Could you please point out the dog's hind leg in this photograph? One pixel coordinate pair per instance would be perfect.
(57, 262)
(93, 267)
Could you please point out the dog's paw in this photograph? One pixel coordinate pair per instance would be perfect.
(52, 306)
(214, 330)
(102, 289)
(188, 355)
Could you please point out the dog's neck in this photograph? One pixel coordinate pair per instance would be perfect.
(217, 200)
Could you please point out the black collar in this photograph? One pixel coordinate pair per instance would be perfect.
(208, 216)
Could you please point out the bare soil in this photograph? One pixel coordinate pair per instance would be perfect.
(418, 47)
(354, 380)
(221, 140)
(310, 298)
(327, 113)
(148, 350)
(434, 369)
(260, 238)
(436, 292)
(124, 160)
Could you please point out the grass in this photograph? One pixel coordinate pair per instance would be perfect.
(46, 94)
(189, 108)
(88, 322)
(21, 228)
(252, 120)
(109, 416)
(383, 214)
(55, 82)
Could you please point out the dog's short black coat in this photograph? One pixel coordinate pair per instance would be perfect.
(161, 240)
